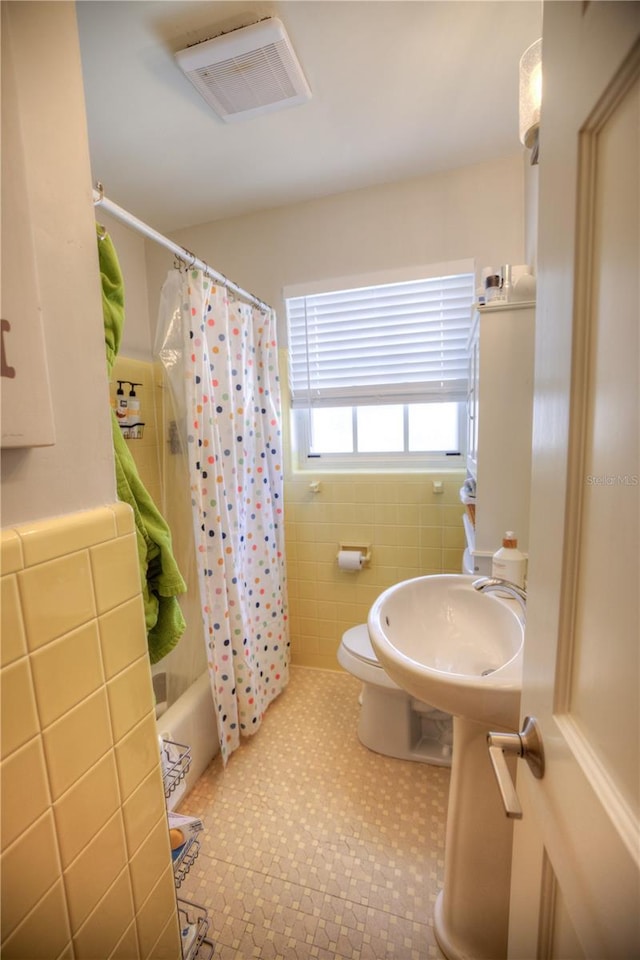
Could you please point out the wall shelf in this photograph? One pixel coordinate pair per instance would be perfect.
(187, 856)
(176, 760)
(132, 431)
(192, 917)
(194, 926)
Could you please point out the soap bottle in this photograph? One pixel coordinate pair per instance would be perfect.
(508, 562)
(133, 404)
(122, 410)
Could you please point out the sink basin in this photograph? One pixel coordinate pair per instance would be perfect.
(451, 646)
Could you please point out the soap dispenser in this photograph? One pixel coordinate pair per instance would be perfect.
(508, 562)
(133, 404)
(122, 410)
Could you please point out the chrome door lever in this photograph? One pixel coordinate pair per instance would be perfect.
(527, 744)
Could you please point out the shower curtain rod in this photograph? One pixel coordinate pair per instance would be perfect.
(191, 261)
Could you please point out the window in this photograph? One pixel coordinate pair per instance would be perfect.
(378, 371)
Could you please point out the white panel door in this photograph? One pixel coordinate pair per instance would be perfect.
(576, 865)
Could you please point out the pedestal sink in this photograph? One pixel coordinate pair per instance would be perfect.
(447, 644)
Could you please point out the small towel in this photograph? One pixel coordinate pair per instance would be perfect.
(160, 577)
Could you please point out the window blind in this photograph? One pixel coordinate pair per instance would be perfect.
(391, 343)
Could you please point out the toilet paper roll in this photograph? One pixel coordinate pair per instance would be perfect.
(350, 560)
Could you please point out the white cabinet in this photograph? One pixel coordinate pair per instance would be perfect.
(499, 416)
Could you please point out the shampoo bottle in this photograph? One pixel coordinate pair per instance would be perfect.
(508, 562)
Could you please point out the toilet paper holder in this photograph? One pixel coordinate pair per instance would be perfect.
(364, 549)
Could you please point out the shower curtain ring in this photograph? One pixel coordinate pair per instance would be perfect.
(100, 191)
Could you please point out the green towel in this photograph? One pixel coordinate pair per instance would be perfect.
(160, 577)
(112, 295)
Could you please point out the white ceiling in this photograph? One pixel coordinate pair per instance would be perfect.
(399, 89)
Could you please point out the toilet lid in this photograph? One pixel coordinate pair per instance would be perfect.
(357, 642)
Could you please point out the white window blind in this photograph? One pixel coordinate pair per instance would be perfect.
(389, 343)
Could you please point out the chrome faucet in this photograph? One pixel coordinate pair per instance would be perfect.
(496, 584)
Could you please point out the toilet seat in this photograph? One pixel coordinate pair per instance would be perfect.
(357, 642)
(357, 656)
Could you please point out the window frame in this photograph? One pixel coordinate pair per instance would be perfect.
(305, 460)
(405, 461)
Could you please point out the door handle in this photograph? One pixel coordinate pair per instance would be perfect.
(527, 744)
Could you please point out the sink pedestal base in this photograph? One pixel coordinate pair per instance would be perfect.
(472, 911)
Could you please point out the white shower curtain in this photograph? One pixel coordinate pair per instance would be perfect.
(220, 357)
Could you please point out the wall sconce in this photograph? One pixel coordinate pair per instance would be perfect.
(531, 97)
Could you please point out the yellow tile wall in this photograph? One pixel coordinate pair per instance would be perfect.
(411, 529)
(146, 451)
(85, 861)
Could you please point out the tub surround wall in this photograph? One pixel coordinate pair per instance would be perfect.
(85, 862)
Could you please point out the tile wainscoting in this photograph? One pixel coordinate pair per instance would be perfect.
(412, 531)
(86, 864)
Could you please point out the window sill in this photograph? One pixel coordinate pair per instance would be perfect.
(454, 465)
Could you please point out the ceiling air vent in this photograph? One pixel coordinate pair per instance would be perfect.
(246, 72)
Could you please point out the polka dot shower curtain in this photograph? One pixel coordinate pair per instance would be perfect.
(220, 357)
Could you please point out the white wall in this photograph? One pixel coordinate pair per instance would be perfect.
(77, 472)
(474, 212)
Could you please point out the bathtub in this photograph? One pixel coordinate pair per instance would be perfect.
(192, 720)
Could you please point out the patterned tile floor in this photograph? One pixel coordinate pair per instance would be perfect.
(313, 845)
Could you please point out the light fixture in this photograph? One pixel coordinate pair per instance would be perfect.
(531, 97)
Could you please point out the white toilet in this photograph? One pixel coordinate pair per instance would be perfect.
(391, 721)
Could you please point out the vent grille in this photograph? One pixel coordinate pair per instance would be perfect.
(247, 72)
(253, 80)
